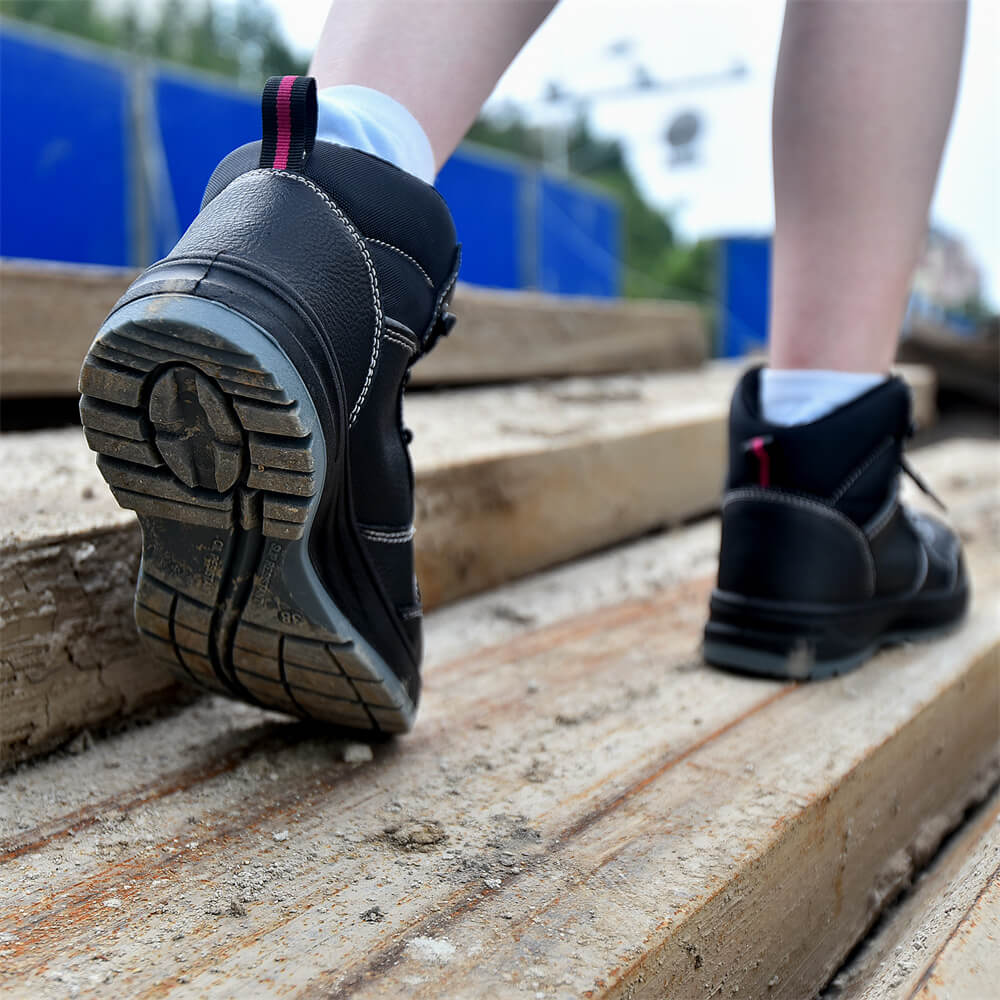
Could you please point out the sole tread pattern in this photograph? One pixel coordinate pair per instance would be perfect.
(184, 415)
(195, 433)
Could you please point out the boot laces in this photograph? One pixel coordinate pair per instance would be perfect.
(443, 326)
(921, 484)
(915, 476)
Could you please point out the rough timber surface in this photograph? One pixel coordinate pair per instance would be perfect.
(965, 365)
(50, 313)
(509, 336)
(584, 809)
(509, 481)
(968, 966)
(942, 940)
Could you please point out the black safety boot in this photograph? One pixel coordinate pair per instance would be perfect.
(820, 563)
(245, 399)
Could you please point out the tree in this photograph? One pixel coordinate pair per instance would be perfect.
(246, 44)
(656, 264)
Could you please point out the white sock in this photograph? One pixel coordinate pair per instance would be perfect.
(800, 396)
(375, 123)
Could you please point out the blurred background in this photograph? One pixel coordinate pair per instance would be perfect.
(625, 153)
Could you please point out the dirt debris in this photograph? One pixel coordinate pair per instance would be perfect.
(416, 835)
(357, 753)
(509, 613)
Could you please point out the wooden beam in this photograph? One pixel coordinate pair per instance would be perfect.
(509, 481)
(50, 313)
(964, 365)
(583, 810)
(513, 479)
(509, 336)
(969, 963)
(950, 912)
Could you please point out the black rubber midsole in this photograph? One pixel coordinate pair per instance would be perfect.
(335, 542)
(827, 631)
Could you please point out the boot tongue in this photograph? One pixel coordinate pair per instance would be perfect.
(849, 458)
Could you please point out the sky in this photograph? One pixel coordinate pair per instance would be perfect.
(728, 190)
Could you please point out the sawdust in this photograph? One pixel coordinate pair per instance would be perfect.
(357, 753)
(438, 951)
(378, 836)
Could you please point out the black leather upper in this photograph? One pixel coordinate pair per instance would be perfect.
(811, 511)
(406, 223)
(368, 253)
(280, 226)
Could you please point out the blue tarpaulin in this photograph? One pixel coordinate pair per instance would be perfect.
(104, 160)
(744, 282)
(63, 160)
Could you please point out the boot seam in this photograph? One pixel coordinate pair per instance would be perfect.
(390, 536)
(372, 277)
(443, 295)
(860, 471)
(813, 506)
(399, 341)
(402, 253)
(882, 519)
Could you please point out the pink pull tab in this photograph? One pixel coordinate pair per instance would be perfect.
(757, 446)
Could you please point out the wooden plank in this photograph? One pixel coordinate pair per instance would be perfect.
(513, 479)
(969, 964)
(584, 810)
(965, 365)
(909, 954)
(50, 313)
(509, 481)
(509, 336)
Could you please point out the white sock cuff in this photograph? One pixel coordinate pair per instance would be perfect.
(800, 396)
(375, 123)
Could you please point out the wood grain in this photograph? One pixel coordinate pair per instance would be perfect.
(964, 365)
(50, 313)
(583, 810)
(509, 481)
(969, 964)
(949, 911)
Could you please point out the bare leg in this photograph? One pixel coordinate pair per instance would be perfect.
(438, 58)
(862, 104)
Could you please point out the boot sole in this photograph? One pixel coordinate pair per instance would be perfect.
(788, 642)
(204, 427)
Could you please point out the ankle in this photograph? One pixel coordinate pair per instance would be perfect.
(375, 123)
(799, 396)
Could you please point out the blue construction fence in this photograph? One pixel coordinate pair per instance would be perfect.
(104, 158)
(744, 278)
(744, 291)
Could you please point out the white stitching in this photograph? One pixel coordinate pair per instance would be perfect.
(776, 496)
(412, 613)
(859, 471)
(372, 277)
(440, 299)
(412, 260)
(389, 536)
(395, 338)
